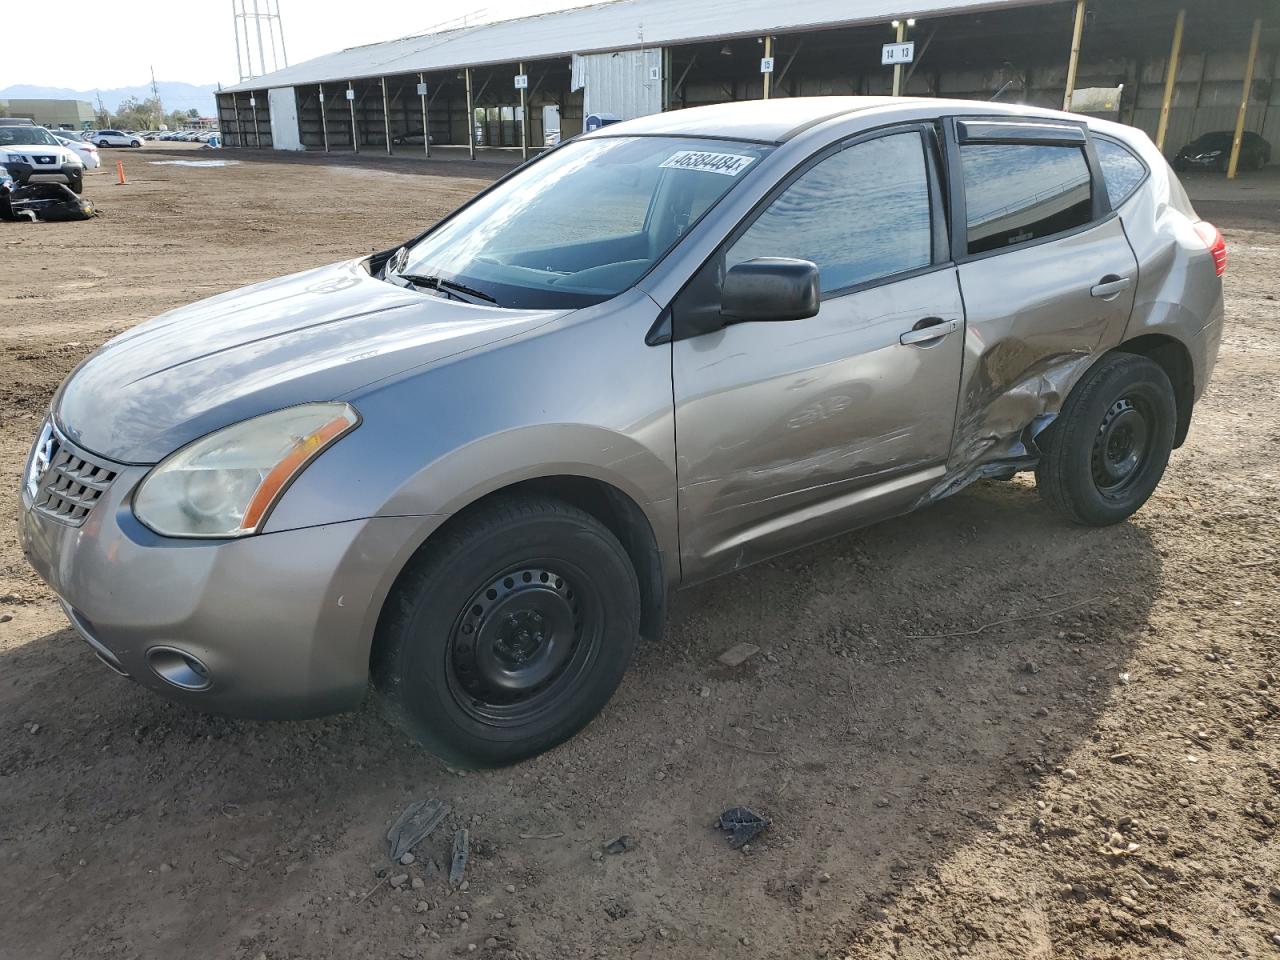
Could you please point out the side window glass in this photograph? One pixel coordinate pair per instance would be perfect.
(1120, 168)
(861, 214)
(1017, 192)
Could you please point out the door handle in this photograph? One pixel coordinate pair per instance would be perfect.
(927, 331)
(1109, 286)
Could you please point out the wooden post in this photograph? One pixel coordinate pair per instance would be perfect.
(1074, 63)
(1244, 98)
(897, 67)
(386, 116)
(524, 120)
(471, 117)
(768, 77)
(426, 127)
(1170, 78)
(355, 130)
(324, 120)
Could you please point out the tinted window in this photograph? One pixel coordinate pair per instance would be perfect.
(860, 214)
(1019, 192)
(1120, 169)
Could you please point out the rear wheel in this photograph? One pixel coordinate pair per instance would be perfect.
(510, 634)
(1108, 448)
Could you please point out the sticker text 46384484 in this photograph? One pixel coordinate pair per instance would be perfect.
(726, 164)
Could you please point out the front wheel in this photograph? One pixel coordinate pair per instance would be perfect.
(508, 635)
(1108, 448)
(76, 183)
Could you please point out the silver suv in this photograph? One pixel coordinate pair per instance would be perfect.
(471, 468)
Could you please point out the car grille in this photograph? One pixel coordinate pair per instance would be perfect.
(65, 482)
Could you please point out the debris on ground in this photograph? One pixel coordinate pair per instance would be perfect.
(50, 202)
(744, 825)
(227, 857)
(461, 849)
(738, 654)
(620, 844)
(414, 825)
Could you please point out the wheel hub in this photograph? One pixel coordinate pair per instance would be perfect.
(515, 637)
(1120, 446)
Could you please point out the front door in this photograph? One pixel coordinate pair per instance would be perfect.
(791, 431)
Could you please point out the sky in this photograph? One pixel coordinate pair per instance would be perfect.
(116, 44)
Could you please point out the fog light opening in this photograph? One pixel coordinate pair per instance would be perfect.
(178, 668)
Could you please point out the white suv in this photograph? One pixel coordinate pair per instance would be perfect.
(32, 153)
(117, 138)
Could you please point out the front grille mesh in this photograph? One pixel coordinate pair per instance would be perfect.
(71, 485)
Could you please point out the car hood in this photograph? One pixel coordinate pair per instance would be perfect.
(317, 335)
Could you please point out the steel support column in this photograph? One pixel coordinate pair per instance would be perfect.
(324, 120)
(235, 107)
(1073, 64)
(257, 133)
(471, 117)
(1244, 98)
(426, 128)
(386, 115)
(1170, 78)
(355, 130)
(524, 118)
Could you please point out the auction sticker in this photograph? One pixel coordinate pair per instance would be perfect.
(727, 164)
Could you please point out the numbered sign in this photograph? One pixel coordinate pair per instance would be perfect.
(522, 81)
(351, 94)
(766, 64)
(253, 102)
(892, 53)
(422, 89)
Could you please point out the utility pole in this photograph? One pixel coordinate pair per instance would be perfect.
(155, 98)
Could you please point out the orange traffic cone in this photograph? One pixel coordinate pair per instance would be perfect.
(120, 172)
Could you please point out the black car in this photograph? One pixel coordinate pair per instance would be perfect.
(1212, 151)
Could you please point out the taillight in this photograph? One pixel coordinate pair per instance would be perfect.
(1212, 238)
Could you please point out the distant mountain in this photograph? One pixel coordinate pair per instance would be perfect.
(174, 96)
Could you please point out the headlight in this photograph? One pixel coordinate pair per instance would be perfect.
(225, 484)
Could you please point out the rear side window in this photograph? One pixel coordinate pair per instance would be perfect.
(861, 214)
(1121, 170)
(1016, 192)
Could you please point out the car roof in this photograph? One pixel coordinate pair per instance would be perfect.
(780, 119)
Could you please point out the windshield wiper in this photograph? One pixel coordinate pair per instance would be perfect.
(444, 286)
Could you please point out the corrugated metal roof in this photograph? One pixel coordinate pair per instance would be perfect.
(619, 25)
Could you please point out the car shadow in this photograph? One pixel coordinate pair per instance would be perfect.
(915, 683)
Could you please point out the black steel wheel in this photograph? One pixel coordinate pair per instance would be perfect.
(1107, 450)
(508, 633)
(521, 643)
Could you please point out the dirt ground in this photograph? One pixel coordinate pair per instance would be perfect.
(1096, 776)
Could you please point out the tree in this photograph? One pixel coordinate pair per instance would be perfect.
(135, 114)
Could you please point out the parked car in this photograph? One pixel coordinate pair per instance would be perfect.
(116, 138)
(1212, 151)
(33, 154)
(87, 152)
(471, 467)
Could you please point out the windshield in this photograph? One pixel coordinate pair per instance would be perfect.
(10, 136)
(582, 224)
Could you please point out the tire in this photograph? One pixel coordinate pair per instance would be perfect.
(76, 184)
(135, 143)
(1108, 448)
(489, 603)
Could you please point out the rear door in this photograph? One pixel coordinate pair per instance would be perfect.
(1046, 272)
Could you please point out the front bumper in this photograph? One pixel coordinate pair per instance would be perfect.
(282, 622)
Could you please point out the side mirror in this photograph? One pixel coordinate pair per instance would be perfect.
(770, 289)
